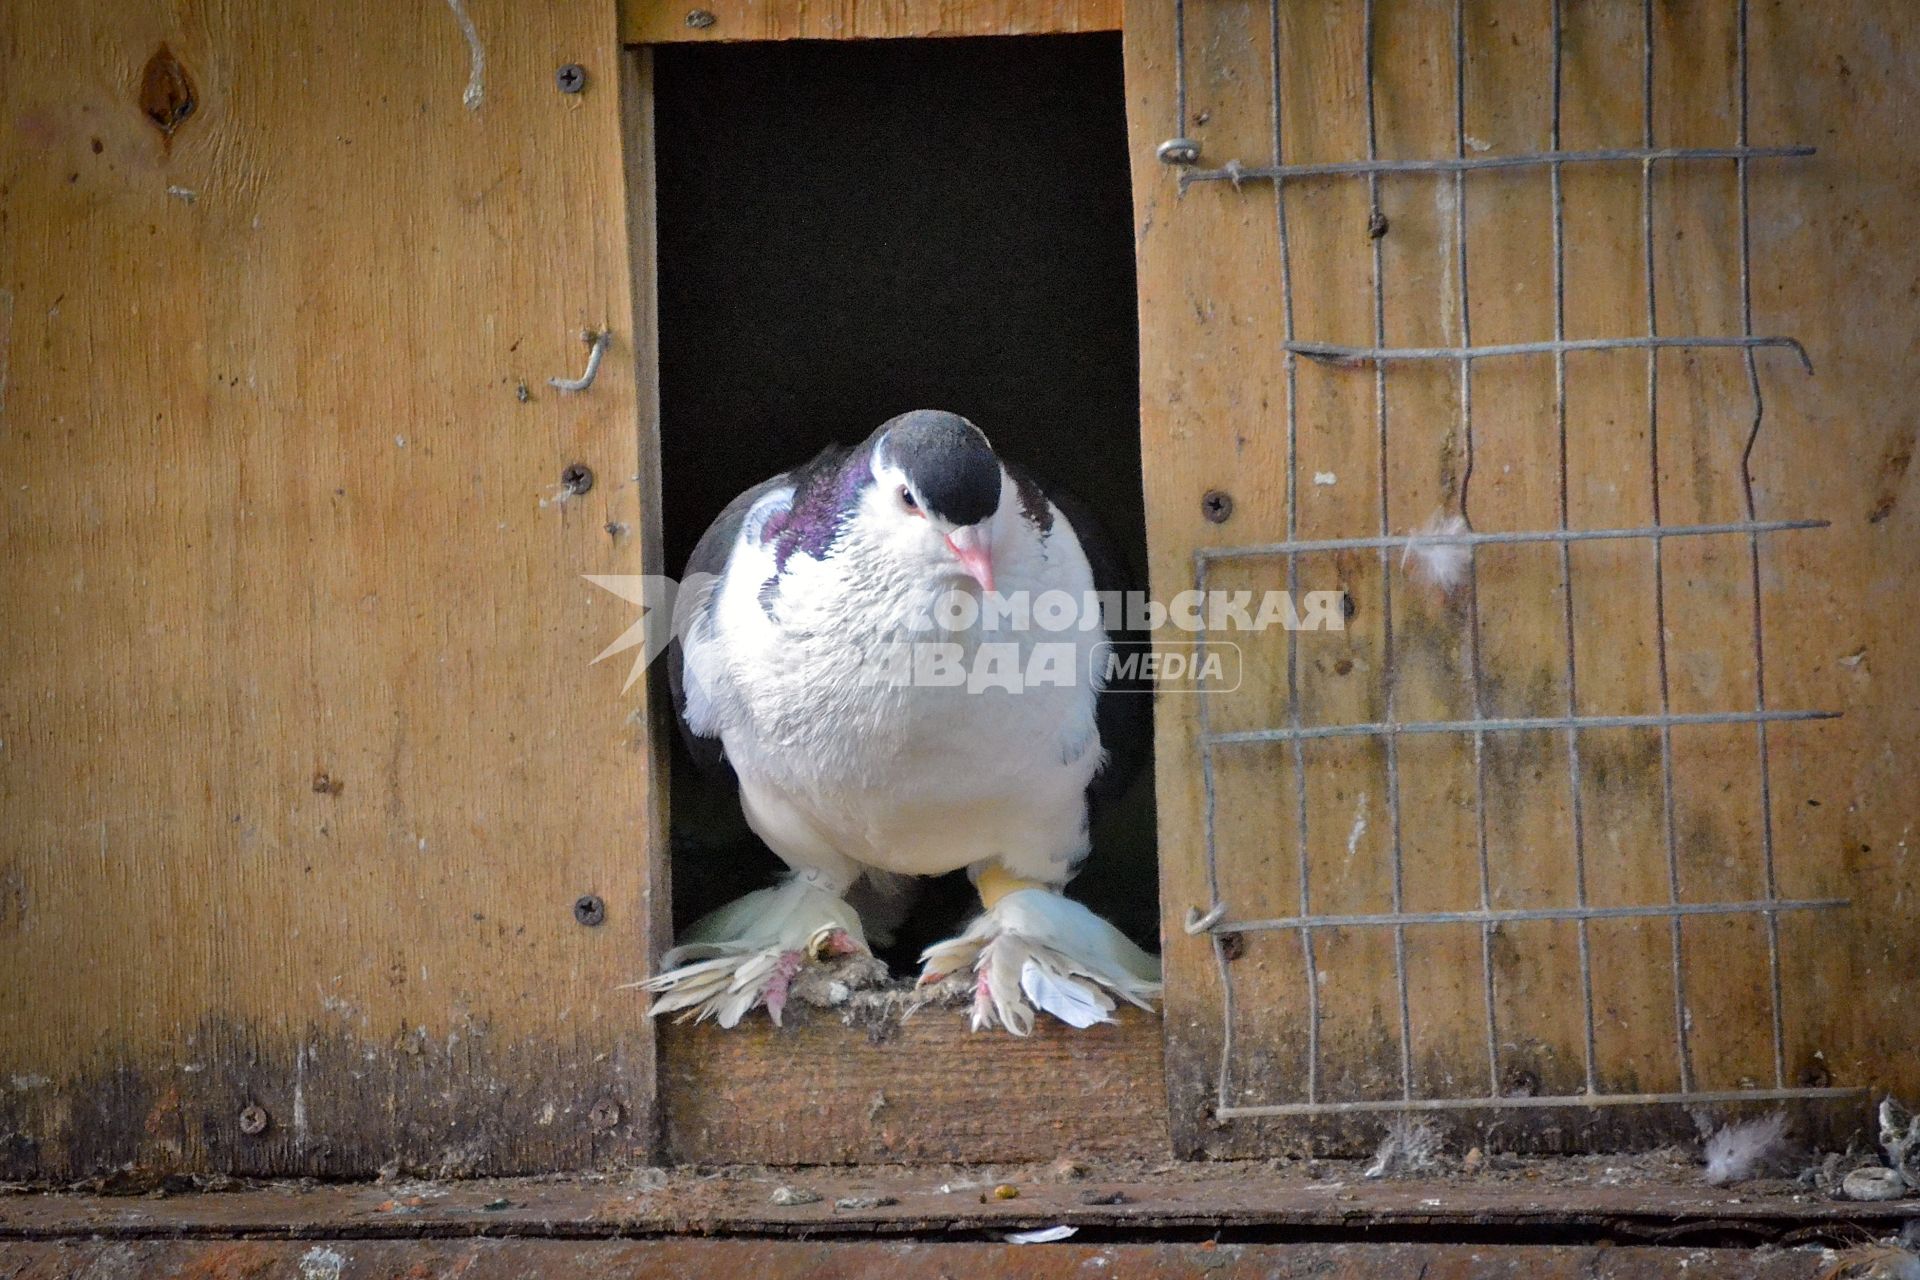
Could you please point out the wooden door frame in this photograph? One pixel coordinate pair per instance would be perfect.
(926, 1088)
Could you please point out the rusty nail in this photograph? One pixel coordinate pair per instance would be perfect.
(700, 19)
(253, 1119)
(1180, 151)
(1232, 946)
(1376, 224)
(571, 78)
(589, 910)
(1217, 506)
(604, 1115)
(577, 478)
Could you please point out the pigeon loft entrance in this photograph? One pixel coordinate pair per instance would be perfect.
(847, 230)
(326, 847)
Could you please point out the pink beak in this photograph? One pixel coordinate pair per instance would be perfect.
(972, 547)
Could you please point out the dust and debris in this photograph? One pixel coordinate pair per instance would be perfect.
(1900, 1139)
(787, 1196)
(1066, 1169)
(187, 194)
(858, 1204)
(322, 1263)
(1041, 1235)
(1409, 1149)
(1872, 1262)
(1746, 1149)
(1873, 1183)
(1325, 478)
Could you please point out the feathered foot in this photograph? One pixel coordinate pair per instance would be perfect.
(749, 952)
(1034, 945)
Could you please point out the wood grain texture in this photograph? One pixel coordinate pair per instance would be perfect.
(924, 1089)
(304, 762)
(1660, 1196)
(351, 1259)
(1834, 262)
(655, 22)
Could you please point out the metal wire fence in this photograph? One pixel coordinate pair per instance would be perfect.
(1389, 731)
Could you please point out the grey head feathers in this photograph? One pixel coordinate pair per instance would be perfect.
(947, 461)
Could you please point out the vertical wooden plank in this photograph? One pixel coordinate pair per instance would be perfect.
(1209, 329)
(305, 764)
(653, 713)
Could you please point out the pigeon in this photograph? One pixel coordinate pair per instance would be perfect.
(894, 649)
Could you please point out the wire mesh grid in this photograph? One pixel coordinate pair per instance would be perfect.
(1217, 919)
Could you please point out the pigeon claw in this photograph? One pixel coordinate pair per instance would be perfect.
(748, 954)
(1036, 949)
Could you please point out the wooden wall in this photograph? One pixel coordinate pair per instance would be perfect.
(1835, 263)
(302, 761)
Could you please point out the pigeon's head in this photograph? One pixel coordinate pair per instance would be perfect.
(937, 487)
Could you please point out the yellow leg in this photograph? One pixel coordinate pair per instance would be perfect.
(996, 882)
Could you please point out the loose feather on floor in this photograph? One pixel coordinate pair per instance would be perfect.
(1749, 1149)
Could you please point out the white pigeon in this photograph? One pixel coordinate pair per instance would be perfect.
(820, 630)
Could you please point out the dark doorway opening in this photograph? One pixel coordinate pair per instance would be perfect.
(848, 230)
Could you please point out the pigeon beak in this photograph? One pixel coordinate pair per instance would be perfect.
(974, 549)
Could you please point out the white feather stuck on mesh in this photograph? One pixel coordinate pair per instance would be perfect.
(1431, 559)
(1749, 1149)
(1036, 946)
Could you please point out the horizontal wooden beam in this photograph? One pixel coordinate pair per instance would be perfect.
(654, 22)
(1657, 1196)
(920, 1089)
(770, 1260)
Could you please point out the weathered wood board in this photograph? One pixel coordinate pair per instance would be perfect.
(1833, 262)
(923, 1089)
(872, 1260)
(656, 22)
(303, 763)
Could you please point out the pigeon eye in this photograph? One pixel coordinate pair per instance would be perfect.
(906, 500)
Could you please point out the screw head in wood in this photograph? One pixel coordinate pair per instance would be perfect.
(253, 1119)
(589, 910)
(604, 1115)
(1217, 506)
(700, 19)
(1179, 151)
(577, 478)
(571, 78)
